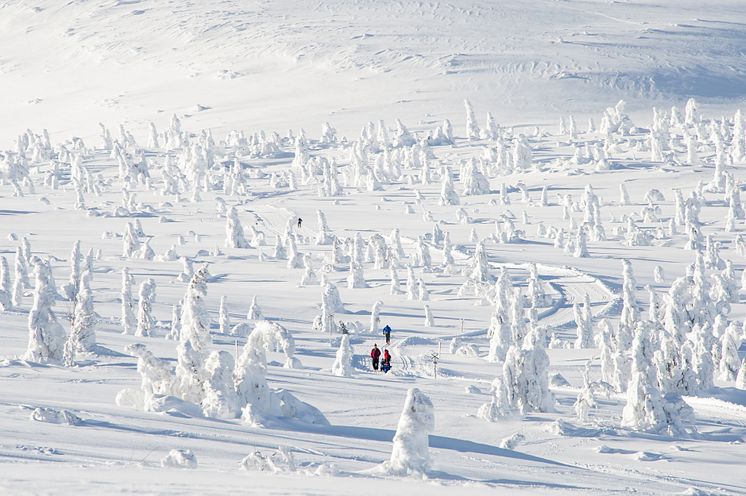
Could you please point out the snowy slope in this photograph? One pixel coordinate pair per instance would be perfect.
(276, 65)
(273, 66)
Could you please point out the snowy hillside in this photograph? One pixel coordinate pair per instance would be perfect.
(286, 64)
(211, 210)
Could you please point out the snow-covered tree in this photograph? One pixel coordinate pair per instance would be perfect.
(46, 336)
(526, 375)
(129, 319)
(342, 366)
(325, 236)
(82, 337)
(375, 317)
(499, 406)
(429, 320)
(448, 195)
(584, 323)
(195, 320)
(646, 409)
(356, 278)
(5, 287)
(70, 290)
(234, 235)
(255, 311)
(410, 454)
(729, 360)
(130, 241)
(472, 128)
(475, 183)
(20, 279)
(145, 318)
(224, 318)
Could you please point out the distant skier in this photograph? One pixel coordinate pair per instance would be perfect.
(386, 363)
(387, 334)
(300, 221)
(375, 356)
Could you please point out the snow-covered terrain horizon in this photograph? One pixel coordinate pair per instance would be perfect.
(212, 209)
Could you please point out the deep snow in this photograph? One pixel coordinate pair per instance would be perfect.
(286, 65)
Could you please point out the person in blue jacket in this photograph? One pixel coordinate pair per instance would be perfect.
(387, 334)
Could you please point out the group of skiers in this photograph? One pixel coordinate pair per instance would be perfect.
(375, 354)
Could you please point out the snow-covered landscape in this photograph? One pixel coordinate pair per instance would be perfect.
(212, 209)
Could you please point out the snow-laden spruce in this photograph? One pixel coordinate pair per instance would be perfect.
(410, 455)
(82, 338)
(46, 339)
(145, 317)
(342, 366)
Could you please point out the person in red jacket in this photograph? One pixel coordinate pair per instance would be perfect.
(375, 355)
(386, 363)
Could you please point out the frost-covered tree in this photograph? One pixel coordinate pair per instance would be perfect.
(174, 332)
(46, 336)
(20, 279)
(500, 324)
(429, 320)
(260, 403)
(295, 258)
(729, 360)
(5, 287)
(82, 337)
(410, 454)
(219, 398)
(472, 128)
(581, 243)
(480, 269)
(342, 366)
(422, 256)
(375, 317)
(129, 319)
(130, 241)
(499, 406)
(255, 311)
(195, 320)
(325, 236)
(145, 318)
(234, 235)
(448, 195)
(224, 318)
(475, 183)
(584, 323)
(356, 278)
(646, 409)
(526, 374)
(70, 290)
(741, 378)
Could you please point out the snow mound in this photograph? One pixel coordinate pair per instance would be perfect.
(178, 458)
(53, 416)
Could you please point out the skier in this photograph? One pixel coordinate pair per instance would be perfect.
(300, 221)
(386, 363)
(375, 355)
(387, 334)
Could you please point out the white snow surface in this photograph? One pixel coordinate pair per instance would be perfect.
(273, 66)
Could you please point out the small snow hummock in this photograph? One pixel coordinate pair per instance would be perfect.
(177, 458)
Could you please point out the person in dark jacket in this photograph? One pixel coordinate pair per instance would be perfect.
(386, 363)
(375, 356)
(300, 221)
(387, 334)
